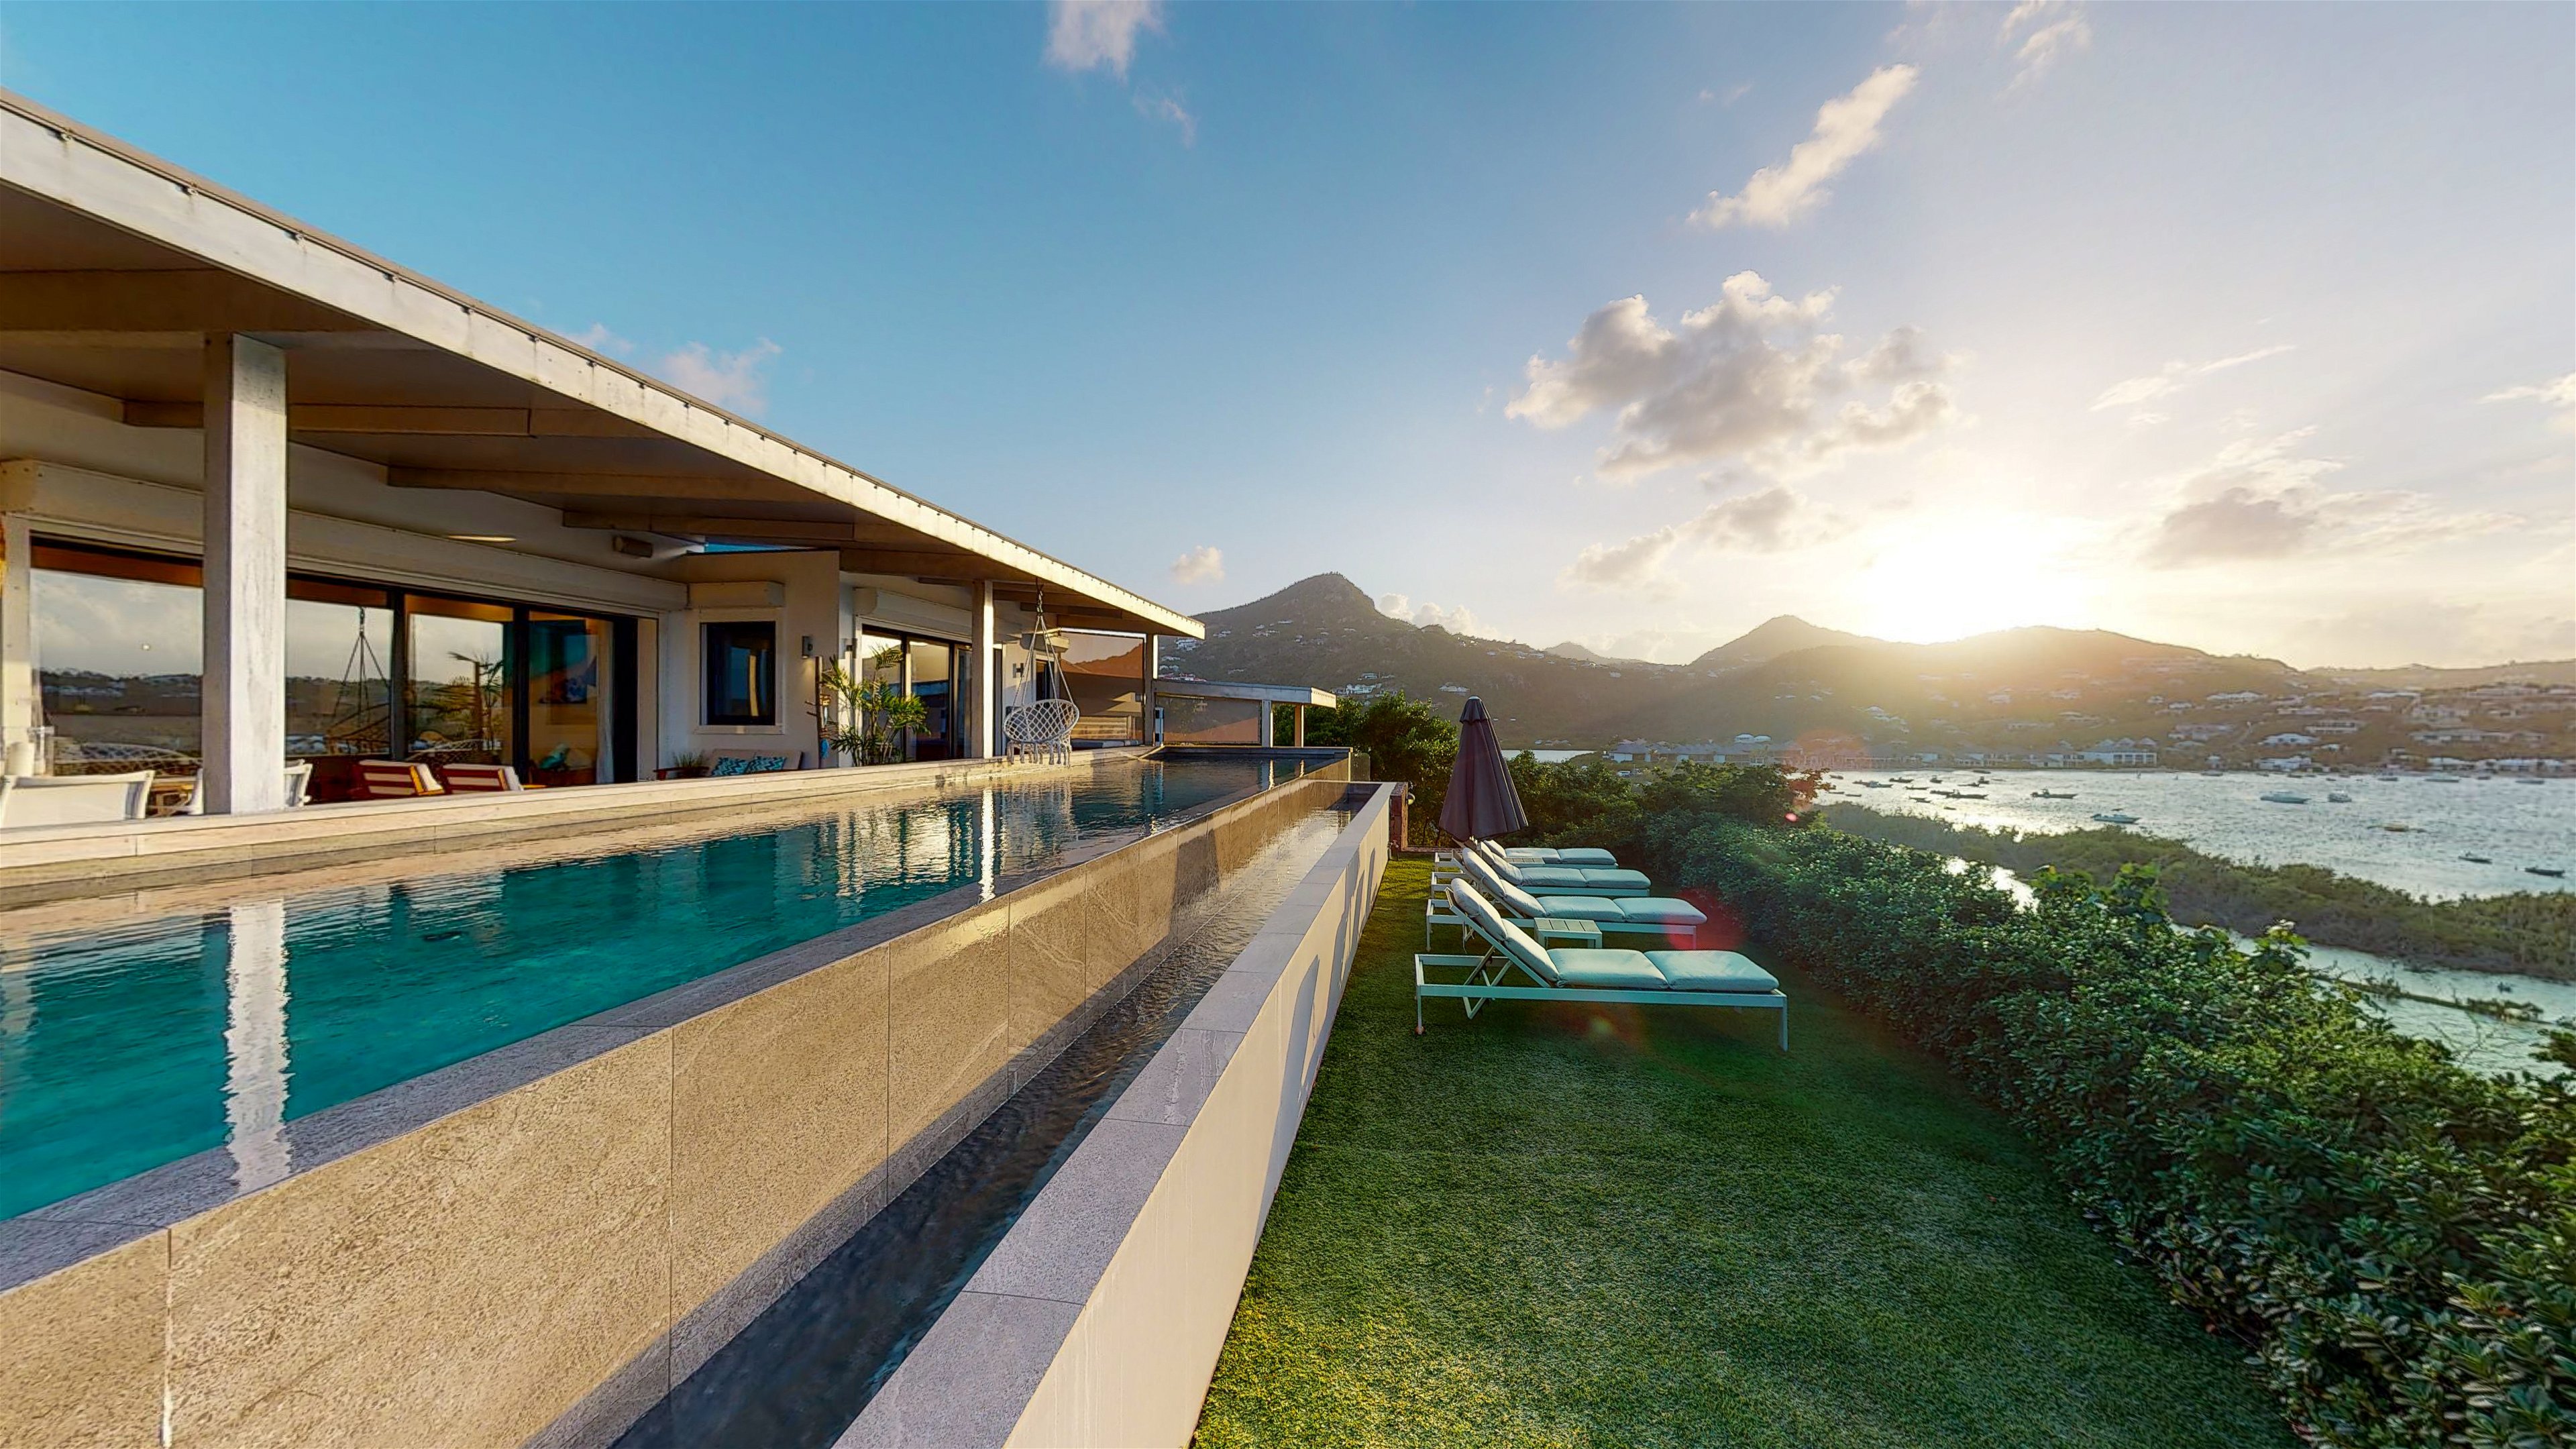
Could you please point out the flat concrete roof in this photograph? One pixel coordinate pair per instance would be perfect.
(115, 265)
(1269, 693)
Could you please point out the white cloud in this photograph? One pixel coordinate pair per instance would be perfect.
(1779, 519)
(2257, 501)
(2056, 29)
(1427, 614)
(1204, 564)
(1846, 126)
(728, 379)
(1168, 108)
(598, 338)
(1752, 376)
(1093, 34)
(2173, 377)
(2557, 392)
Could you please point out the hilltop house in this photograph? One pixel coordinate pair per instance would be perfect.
(267, 497)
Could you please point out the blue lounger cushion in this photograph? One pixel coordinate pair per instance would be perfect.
(1561, 878)
(1658, 911)
(1708, 971)
(1585, 855)
(1580, 908)
(1612, 882)
(1614, 970)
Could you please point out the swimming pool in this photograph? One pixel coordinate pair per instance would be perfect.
(129, 1043)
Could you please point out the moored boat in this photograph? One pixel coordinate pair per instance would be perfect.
(2284, 797)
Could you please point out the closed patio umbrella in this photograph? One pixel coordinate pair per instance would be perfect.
(1482, 801)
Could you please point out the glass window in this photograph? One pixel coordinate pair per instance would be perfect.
(1190, 721)
(459, 681)
(1106, 676)
(742, 673)
(931, 685)
(119, 671)
(567, 723)
(339, 675)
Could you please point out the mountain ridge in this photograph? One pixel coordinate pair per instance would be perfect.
(2030, 687)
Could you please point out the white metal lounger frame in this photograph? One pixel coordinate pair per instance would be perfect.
(1486, 975)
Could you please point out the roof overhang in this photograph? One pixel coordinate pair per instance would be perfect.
(116, 266)
(1260, 693)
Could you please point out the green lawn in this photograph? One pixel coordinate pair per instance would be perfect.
(1613, 1227)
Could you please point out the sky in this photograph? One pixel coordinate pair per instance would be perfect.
(2245, 327)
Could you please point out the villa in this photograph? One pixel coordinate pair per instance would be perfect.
(364, 655)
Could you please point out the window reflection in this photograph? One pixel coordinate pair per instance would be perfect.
(459, 678)
(567, 728)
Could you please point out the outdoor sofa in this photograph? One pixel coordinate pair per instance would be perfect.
(1589, 974)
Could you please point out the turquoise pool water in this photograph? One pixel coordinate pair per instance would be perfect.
(135, 1043)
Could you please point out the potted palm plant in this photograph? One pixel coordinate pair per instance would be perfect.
(869, 716)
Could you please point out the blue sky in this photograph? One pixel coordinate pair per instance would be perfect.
(2246, 327)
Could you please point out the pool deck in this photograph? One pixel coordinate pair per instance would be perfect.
(532, 1245)
(56, 862)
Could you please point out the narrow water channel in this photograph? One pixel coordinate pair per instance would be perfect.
(798, 1375)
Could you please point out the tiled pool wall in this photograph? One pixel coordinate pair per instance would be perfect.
(533, 1244)
(1098, 1318)
(56, 862)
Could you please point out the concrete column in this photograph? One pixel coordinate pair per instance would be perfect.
(1269, 724)
(1301, 727)
(245, 597)
(17, 640)
(1153, 700)
(984, 703)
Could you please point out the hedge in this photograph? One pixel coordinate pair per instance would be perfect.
(2391, 1236)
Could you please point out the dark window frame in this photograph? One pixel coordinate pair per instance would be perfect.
(623, 702)
(715, 664)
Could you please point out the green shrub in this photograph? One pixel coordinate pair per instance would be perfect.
(2391, 1236)
(2533, 932)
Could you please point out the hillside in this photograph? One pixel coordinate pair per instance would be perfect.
(1772, 638)
(2427, 676)
(2016, 692)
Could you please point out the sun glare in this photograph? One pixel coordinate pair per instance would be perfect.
(1950, 580)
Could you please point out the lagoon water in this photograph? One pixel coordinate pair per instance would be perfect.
(2515, 825)
(2480, 1042)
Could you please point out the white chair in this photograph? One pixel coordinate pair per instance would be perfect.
(73, 799)
(299, 785)
(1043, 729)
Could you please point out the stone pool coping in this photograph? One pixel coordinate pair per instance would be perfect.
(53, 862)
(1098, 1318)
(461, 1257)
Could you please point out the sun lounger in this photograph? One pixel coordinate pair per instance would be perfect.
(1617, 977)
(478, 779)
(1661, 919)
(1589, 880)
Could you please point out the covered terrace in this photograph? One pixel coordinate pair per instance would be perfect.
(266, 498)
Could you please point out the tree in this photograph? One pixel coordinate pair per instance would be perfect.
(1405, 739)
